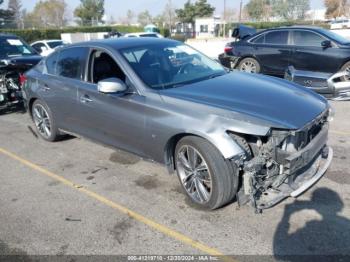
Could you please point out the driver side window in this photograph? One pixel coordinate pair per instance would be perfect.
(102, 66)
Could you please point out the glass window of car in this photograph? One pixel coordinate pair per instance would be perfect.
(307, 38)
(71, 62)
(168, 65)
(277, 37)
(103, 66)
(148, 35)
(38, 47)
(14, 47)
(259, 39)
(54, 44)
(51, 63)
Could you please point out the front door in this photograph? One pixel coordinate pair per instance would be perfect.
(114, 119)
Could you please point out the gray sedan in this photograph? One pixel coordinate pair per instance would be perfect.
(228, 135)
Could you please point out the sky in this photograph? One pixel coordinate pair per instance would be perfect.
(118, 8)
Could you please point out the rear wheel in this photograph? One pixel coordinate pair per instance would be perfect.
(44, 122)
(249, 65)
(207, 178)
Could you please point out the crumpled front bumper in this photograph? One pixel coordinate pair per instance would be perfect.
(303, 170)
(302, 183)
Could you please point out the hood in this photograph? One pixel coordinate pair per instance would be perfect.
(26, 60)
(282, 104)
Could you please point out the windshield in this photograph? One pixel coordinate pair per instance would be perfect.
(168, 65)
(54, 44)
(14, 47)
(336, 37)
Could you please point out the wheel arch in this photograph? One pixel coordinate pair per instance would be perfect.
(30, 105)
(225, 145)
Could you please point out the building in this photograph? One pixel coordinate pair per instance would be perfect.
(208, 27)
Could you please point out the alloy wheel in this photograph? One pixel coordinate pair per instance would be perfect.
(249, 67)
(194, 174)
(42, 120)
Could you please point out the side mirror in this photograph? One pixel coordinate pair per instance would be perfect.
(111, 85)
(326, 44)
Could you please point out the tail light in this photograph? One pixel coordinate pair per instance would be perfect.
(22, 79)
(228, 49)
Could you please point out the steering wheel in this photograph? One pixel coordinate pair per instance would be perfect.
(185, 68)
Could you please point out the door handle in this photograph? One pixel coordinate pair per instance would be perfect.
(85, 99)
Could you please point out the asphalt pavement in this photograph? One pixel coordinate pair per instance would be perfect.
(76, 197)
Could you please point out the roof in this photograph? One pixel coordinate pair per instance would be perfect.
(124, 42)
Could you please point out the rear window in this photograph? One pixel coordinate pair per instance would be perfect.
(277, 38)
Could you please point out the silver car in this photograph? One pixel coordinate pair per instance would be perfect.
(228, 135)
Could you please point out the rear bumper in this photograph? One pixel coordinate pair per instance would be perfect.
(228, 61)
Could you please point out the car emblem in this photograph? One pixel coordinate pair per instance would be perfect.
(308, 82)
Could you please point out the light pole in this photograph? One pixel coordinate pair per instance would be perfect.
(224, 33)
(240, 11)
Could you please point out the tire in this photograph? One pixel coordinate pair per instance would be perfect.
(249, 65)
(42, 117)
(219, 179)
(345, 67)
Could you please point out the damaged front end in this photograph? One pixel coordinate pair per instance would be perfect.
(284, 163)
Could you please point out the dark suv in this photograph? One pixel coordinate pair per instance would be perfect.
(273, 50)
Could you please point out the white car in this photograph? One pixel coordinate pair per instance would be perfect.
(144, 34)
(46, 47)
(340, 24)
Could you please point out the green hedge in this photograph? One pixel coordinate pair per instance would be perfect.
(31, 35)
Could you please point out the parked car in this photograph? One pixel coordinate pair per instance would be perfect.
(340, 24)
(46, 47)
(305, 48)
(144, 34)
(16, 57)
(225, 134)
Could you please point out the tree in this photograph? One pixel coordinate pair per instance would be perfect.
(290, 9)
(190, 12)
(144, 18)
(89, 11)
(6, 17)
(49, 13)
(259, 9)
(130, 17)
(229, 15)
(335, 8)
(15, 7)
(169, 15)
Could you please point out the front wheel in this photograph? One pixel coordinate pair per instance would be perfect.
(249, 65)
(207, 178)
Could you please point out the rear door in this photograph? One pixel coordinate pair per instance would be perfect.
(308, 53)
(272, 50)
(59, 85)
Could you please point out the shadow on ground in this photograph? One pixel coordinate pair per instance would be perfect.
(326, 239)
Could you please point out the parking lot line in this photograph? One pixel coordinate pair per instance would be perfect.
(340, 133)
(158, 227)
